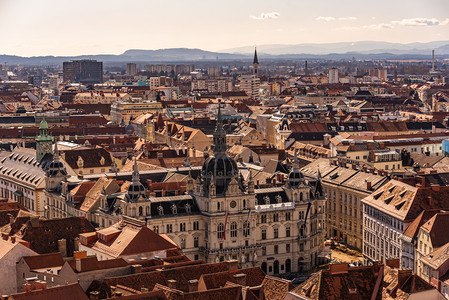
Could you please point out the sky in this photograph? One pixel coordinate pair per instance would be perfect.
(65, 28)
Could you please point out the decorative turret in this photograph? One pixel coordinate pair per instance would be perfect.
(136, 191)
(56, 172)
(43, 141)
(218, 169)
(295, 178)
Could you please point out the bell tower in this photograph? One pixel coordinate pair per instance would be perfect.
(255, 64)
(43, 141)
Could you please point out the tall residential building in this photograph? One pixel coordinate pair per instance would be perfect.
(83, 71)
(250, 84)
(131, 69)
(332, 76)
(379, 73)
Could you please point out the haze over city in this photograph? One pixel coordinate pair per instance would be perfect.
(63, 28)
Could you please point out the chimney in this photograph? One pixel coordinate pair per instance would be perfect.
(338, 268)
(354, 167)
(274, 182)
(27, 288)
(240, 279)
(11, 219)
(435, 187)
(172, 283)
(13, 239)
(352, 146)
(79, 254)
(233, 264)
(62, 247)
(78, 264)
(40, 285)
(4, 236)
(136, 269)
(193, 285)
(94, 295)
(368, 146)
(381, 145)
(368, 185)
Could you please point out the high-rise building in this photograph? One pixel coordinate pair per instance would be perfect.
(332, 76)
(83, 71)
(131, 69)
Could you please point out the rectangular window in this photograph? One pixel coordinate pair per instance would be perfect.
(287, 232)
(287, 248)
(264, 234)
(276, 249)
(276, 233)
(264, 251)
(195, 242)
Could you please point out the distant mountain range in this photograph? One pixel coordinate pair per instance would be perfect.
(366, 47)
(361, 50)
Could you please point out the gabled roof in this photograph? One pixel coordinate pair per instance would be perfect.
(437, 227)
(44, 261)
(70, 291)
(131, 240)
(93, 264)
(413, 228)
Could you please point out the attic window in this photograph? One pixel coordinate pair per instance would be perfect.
(399, 206)
(160, 210)
(278, 198)
(174, 209)
(266, 199)
(188, 208)
(388, 199)
(402, 194)
(391, 189)
(377, 196)
(333, 176)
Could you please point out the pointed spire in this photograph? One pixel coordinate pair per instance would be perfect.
(136, 175)
(219, 145)
(296, 161)
(56, 152)
(255, 60)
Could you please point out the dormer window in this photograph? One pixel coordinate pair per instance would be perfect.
(188, 208)
(160, 210)
(278, 198)
(174, 209)
(266, 199)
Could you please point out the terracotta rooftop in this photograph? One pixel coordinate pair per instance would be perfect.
(70, 291)
(413, 228)
(341, 282)
(131, 240)
(44, 261)
(436, 227)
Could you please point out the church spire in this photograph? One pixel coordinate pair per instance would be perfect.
(136, 175)
(219, 145)
(255, 60)
(255, 63)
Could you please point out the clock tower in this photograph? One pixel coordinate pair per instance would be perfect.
(43, 141)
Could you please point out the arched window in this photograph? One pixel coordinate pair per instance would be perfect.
(174, 209)
(140, 211)
(300, 196)
(218, 205)
(220, 231)
(147, 210)
(233, 229)
(244, 203)
(160, 210)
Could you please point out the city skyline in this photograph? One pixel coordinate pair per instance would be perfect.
(108, 28)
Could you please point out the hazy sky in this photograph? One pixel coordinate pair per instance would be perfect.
(63, 27)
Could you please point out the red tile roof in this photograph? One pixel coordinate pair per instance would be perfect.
(70, 291)
(44, 261)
